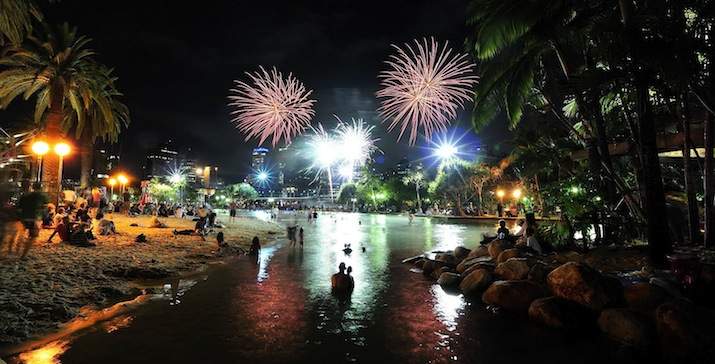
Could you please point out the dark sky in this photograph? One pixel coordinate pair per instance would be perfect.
(176, 61)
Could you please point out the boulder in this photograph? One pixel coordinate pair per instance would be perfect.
(449, 280)
(483, 265)
(481, 251)
(515, 296)
(496, 247)
(584, 285)
(461, 252)
(568, 256)
(476, 282)
(644, 297)
(538, 273)
(431, 265)
(685, 331)
(465, 264)
(446, 258)
(513, 269)
(559, 313)
(419, 263)
(438, 272)
(508, 254)
(626, 327)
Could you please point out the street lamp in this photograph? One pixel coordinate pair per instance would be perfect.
(112, 181)
(61, 149)
(516, 194)
(123, 180)
(40, 148)
(500, 195)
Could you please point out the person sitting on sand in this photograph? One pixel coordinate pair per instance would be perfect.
(156, 223)
(255, 246)
(106, 226)
(63, 229)
(502, 232)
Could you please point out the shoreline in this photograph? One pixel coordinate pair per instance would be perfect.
(60, 284)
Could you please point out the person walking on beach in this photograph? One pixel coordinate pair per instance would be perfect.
(232, 211)
(255, 248)
(30, 207)
(300, 236)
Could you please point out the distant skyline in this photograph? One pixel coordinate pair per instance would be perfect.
(176, 63)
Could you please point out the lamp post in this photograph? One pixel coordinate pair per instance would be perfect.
(112, 181)
(61, 149)
(122, 181)
(40, 148)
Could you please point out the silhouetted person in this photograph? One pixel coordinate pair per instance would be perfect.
(255, 246)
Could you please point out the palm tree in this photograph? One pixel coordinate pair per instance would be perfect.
(416, 178)
(16, 20)
(70, 88)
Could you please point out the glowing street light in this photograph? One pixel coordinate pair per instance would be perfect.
(40, 148)
(501, 194)
(346, 172)
(446, 151)
(262, 176)
(516, 194)
(199, 171)
(123, 180)
(112, 181)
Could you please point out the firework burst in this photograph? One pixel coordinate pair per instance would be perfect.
(424, 87)
(355, 141)
(271, 105)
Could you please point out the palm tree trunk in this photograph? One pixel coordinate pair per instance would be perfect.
(51, 161)
(419, 200)
(709, 136)
(86, 161)
(693, 214)
(657, 233)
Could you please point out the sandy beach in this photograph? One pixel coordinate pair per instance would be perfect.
(56, 280)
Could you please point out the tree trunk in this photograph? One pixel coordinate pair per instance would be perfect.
(419, 200)
(86, 161)
(693, 214)
(51, 162)
(657, 233)
(709, 136)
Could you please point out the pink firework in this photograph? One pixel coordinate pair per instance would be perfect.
(425, 87)
(271, 105)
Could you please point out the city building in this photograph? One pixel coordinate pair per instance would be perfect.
(106, 159)
(161, 161)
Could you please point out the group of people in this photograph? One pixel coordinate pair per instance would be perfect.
(525, 236)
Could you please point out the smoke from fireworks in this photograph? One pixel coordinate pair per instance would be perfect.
(424, 87)
(271, 105)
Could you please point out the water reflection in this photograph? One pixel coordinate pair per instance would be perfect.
(48, 354)
(447, 306)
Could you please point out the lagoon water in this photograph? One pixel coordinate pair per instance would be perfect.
(279, 309)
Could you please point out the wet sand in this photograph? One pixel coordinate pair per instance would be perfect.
(57, 280)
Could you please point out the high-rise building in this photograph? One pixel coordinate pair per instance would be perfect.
(162, 161)
(106, 159)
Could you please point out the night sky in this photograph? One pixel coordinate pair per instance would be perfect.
(176, 62)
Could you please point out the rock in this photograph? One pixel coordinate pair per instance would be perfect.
(465, 264)
(419, 263)
(431, 265)
(438, 272)
(461, 252)
(476, 282)
(111, 292)
(626, 326)
(488, 266)
(538, 273)
(559, 313)
(568, 256)
(497, 246)
(449, 280)
(61, 312)
(513, 269)
(515, 296)
(508, 254)
(481, 251)
(446, 258)
(644, 297)
(584, 285)
(685, 331)
(412, 260)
